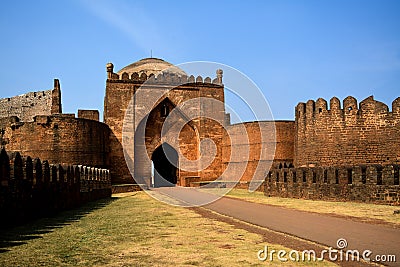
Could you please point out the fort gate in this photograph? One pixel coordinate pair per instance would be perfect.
(143, 95)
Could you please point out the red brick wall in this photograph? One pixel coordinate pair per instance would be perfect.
(61, 139)
(364, 134)
(278, 135)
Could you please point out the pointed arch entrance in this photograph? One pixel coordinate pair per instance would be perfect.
(156, 158)
(165, 162)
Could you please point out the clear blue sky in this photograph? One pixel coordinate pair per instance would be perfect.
(293, 50)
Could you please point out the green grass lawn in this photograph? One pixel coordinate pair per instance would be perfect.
(364, 211)
(132, 230)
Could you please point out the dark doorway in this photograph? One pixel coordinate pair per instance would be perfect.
(165, 161)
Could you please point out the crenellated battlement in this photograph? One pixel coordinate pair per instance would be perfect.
(166, 77)
(366, 183)
(367, 107)
(163, 78)
(33, 188)
(346, 114)
(347, 132)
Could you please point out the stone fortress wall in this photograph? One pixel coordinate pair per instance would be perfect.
(26, 106)
(342, 154)
(43, 131)
(278, 135)
(33, 127)
(352, 152)
(367, 133)
(61, 139)
(32, 188)
(365, 183)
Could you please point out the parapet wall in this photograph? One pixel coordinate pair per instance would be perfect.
(364, 183)
(32, 188)
(89, 114)
(161, 78)
(26, 106)
(61, 139)
(355, 134)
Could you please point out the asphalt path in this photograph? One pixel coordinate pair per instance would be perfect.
(381, 239)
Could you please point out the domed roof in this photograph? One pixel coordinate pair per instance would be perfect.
(151, 65)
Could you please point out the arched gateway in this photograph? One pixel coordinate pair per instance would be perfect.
(148, 117)
(165, 162)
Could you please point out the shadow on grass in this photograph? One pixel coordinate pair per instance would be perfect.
(19, 235)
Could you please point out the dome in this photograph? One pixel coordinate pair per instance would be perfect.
(151, 65)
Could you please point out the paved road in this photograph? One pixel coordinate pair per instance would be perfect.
(322, 229)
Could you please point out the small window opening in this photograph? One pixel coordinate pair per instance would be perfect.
(349, 176)
(304, 177)
(314, 178)
(396, 175)
(364, 175)
(337, 176)
(325, 176)
(379, 175)
(294, 177)
(285, 177)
